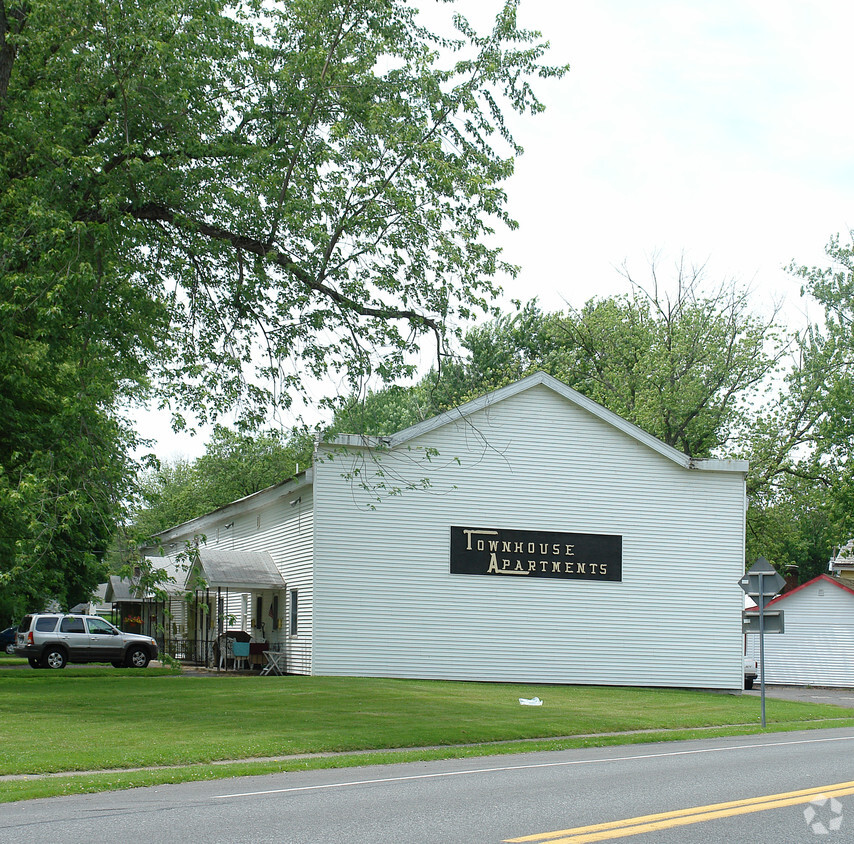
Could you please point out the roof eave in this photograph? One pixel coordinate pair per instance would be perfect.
(197, 526)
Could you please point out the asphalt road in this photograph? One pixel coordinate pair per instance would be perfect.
(526, 797)
(807, 694)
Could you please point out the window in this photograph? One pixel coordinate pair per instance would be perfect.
(72, 625)
(47, 624)
(99, 626)
(294, 605)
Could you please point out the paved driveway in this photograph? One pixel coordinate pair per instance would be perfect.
(808, 694)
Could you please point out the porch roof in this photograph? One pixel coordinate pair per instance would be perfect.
(242, 571)
(121, 590)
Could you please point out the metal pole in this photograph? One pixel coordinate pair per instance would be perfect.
(762, 643)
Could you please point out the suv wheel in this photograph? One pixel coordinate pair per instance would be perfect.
(137, 658)
(54, 658)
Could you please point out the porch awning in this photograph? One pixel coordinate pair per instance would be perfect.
(237, 571)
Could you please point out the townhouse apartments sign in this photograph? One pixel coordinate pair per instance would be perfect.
(529, 553)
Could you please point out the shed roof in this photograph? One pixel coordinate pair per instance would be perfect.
(843, 559)
(815, 581)
(244, 570)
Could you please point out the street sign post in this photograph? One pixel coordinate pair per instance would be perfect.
(762, 582)
(773, 622)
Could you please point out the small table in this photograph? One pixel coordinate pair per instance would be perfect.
(276, 663)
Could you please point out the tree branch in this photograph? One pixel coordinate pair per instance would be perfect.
(254, 246)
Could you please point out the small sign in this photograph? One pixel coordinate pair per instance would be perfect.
(773, 621)
(762, 582)
(505, 553)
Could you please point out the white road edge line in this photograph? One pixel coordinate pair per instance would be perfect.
(501, 768)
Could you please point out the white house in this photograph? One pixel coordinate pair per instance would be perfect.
(528, 535)
(842, 563)
(817, 647)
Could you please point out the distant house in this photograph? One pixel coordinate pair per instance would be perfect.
(125, 598)
(817, 648)
(528, 535)
(842, 563)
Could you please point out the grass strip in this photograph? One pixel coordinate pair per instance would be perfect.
(62, 785)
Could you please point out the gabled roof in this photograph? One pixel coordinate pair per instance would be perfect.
(552, 383)
(121, 590)
(174, 571)
(236, 570)
(822, 577)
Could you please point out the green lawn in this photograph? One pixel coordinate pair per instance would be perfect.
(93, 717)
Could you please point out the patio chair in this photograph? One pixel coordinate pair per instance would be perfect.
(241, 654)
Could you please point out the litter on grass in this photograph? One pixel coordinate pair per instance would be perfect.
(533, 701)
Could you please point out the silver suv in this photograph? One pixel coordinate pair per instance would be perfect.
(51, 640)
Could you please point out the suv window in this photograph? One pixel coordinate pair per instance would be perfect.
(99, 626)
(72, 625)
(46, 624)
(24, 626)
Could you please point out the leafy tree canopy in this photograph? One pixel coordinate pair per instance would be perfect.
(681, 365)
(802, 498)
(204, 200)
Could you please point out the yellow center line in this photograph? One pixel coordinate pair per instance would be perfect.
(682, 817)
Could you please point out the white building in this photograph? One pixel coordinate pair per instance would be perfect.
(528, 535)
(842, 563)
(817, 647)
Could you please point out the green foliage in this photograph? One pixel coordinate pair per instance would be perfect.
(683, 368)
(803, 494)
(233, 466)
(203, 200)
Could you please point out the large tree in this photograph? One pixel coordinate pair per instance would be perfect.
(681, 360)
(803, 482)
(210, 199)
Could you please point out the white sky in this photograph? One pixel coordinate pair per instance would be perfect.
(719, 129)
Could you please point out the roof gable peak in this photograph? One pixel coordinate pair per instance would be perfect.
(536, 379)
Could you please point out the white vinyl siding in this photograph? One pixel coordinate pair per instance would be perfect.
(281, 522)
(386, 604)
(817, 648)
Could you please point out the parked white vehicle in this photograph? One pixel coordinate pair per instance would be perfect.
(751, 671)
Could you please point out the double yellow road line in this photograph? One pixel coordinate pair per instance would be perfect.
(682, 817)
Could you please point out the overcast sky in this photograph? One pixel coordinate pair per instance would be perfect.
(722, 130)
